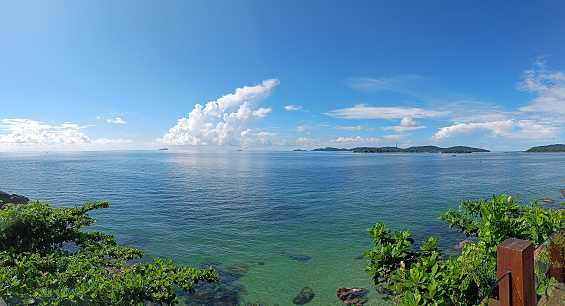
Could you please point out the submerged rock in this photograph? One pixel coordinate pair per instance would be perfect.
(351, 295)
(226, 291)
(305, 296)
(299, 257)
(548, 200)
(461, 244)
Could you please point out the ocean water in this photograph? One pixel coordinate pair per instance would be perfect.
(274, 222)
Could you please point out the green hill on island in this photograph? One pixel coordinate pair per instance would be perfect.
(548, 148)
(421, 149)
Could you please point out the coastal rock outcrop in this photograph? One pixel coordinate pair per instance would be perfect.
(305, 296)
(351, 295)
(462, 244)
(12, 198)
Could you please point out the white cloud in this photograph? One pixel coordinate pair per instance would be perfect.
(406, 124)
(525, 129)
(350, 128)
(302, 128)
(106, 141)
(116, 120)
(293, 108)
(367, 112)
(549, 88)
(356, 140)
(224, 121)
(396, 136)
(33, 134)
(26, 131)
(356, 128)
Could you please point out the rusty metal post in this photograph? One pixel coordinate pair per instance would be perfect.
(518, 288)
(556, 256)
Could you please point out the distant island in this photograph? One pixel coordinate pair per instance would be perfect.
(299, 150)
(330, 149)
(420, 149)
(548, 148)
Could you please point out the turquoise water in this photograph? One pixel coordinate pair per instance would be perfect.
(275, 222)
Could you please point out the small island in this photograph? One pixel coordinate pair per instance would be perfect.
(299, 150)
(548, 148)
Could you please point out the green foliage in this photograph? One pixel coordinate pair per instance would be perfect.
(422, 278)
(36, 266)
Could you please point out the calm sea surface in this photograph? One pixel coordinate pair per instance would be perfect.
(273, 223)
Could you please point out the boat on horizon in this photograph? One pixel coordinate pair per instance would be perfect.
(163, 149)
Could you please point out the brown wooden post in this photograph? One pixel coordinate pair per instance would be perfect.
(556, 257)
(519, 288)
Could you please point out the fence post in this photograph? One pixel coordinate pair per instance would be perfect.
(518, 288)
(556, 256)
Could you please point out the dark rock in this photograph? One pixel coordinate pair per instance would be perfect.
(351, 295)
(305, 296)
(226, 291)
(299, 257)
(461, 244)
(384, 290)
(12, 198)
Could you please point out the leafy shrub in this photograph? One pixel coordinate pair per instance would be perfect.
(422, 278)
(36, 266)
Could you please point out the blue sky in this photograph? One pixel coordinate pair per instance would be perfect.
(96, 75)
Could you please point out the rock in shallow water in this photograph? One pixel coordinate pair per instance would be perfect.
(305, 296)
(298, 257)
(352, 295)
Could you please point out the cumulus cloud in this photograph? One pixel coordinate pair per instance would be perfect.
(116, 120)
(406, 124)
(25, 131)
(525, 129)
(35, 134)
(367, 112)
(548, 87)
(224, 121)
(293, 108)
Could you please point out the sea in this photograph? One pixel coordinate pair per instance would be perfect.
(273, 223)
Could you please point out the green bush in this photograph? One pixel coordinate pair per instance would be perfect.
(422, 278)
(36, 266)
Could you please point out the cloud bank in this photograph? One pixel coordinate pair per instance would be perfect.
(525, 129)
(368, 112)
(225, 121)
(35, 135)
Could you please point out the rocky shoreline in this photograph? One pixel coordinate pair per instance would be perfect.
(12, 199)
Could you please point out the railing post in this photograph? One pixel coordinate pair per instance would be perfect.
(519, 288)
(556, 256)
